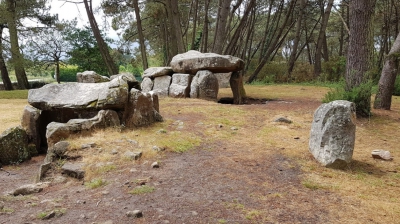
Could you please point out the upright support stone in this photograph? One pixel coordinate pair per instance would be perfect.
(238, 91)
(332, 134)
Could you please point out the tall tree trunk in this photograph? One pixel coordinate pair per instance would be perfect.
(177, 44)
(17, 57)
(321, 36)
(220, 29)
(360, 50)
(140, 32)
(204, 41)
(383, 98)
(104, 51)
(194, 32)
(296, 40)
(3, 69)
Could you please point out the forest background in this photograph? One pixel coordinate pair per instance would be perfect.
(281, 41)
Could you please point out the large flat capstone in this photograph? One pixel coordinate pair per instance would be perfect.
(107, 95)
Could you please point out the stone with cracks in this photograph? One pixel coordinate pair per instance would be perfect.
(30, 122)
(204, 86)
(157, 72)
(142, 109)
(14, 146)
(223, 79)
(81, 96)
(161, 85)
(180, 85)
(57, 131)
(193, 61)
(333, 133)
(74, 170)
(129, 79)
(30, 189)
(146, 85)
(90, 77)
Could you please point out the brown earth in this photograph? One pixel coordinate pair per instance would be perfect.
(246, 168)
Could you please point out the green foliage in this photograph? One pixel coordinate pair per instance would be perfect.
(15, 94)
(136, 71)
(68, 73)
(85, 52)
(360, 95)
(334, 69)
(396, 90)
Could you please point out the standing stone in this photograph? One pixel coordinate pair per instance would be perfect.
(14, 146)
(142, 109)
(223, 79)
(30, 122)
(333, 133)
(157, 72)
(180, 85)
(90, 77)
(161, 85)
(146, 85)
(204, 86)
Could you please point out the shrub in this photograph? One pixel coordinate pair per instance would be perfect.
(360, 95)
(334, 69)
(68, 73)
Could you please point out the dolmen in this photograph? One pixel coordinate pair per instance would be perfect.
(58, 110)
(196, 75)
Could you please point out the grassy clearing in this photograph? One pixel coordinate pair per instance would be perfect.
(189, 123)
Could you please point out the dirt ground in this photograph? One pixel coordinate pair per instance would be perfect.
(234, 179)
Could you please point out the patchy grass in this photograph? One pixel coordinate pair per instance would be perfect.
(11, 112)
(14, 94)
(144, 189)
(95, 183)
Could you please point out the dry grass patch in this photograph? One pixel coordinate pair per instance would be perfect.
(11, 112)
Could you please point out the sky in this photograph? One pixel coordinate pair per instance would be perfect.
(69, 11)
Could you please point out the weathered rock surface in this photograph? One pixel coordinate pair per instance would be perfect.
(333, 133)
(90, 77)
(157, 72)
(204, 86)
(161, 85)
(14, 146)
(381, 154)
(30, 189)
(57, 131)
(60, 148)
(142, 109)
(223, 79)
(74, 170)
(133, 155)
(30, 122)
(81, 96)
(193, 61)
(147, 84)
(129, 78)
(180, 85)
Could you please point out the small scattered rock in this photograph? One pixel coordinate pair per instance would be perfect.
(133, 170)
(283, 120)
(30, 189)
(220, 125)
(194, 213)
(162, 131)
(133, 155)
(60, 148)
(381, 154)
(134, 142)
(114, 151)
(155, 165)
(1, 205)
(80, 202)
(50, 215)
(234, 128)
(158, 149)
(43, 169)
(135, 214)
(74, 170)
(88, 145)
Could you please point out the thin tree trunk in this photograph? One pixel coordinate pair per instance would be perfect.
(105, 54)
(57, 70)
(3, 69)
(383, 98)
(204, 41)
(140, 32)
(17, 57)
(296, 40)
(220, 30)
(320, 40)
(196, 6)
